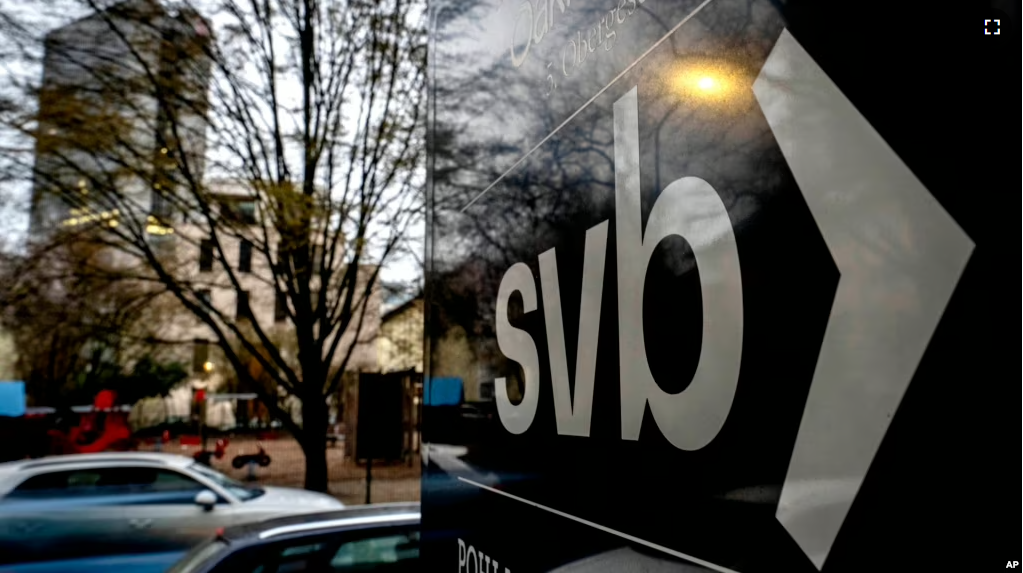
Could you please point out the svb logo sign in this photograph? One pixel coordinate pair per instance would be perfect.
(851, 180)
(689, 207)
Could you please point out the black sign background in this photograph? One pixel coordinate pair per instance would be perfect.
(942, 489)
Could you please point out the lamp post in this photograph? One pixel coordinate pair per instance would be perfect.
(207, 369)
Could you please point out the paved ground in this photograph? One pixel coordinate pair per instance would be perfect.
(391, 482)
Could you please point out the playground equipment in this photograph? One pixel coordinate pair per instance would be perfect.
(102, 428)
(203, 456)
(260, 458)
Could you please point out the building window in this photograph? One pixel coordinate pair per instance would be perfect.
(200, 355)
(206, 255)
(281, 307)
(282, 257)
(205, 296)
(245, 256)
(243, 311)
(307, 258)
(241, 212)
(316, 253)
(161, 207)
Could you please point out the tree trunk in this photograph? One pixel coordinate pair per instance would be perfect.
(314, 443)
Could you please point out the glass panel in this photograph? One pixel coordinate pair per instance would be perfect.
(301, 550)
(245, 256)
(206, 255)
(200, 355)
(237, 489)
(173, 481)
(195, 558)
(364, 554)
(242, 310)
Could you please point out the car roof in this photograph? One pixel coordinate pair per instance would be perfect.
(89, 460)
(322, 522)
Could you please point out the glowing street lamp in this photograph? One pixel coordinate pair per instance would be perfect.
(700, 81)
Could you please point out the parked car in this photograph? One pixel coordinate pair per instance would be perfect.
(126, 503)
(137, 563)
(380, 538)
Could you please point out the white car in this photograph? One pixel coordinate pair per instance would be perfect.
(130, 502)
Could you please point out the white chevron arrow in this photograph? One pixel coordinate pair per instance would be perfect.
(900, 256)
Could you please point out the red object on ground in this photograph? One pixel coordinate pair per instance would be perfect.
(166, 436)
(102, 429)
(190, 440)
(115, 436)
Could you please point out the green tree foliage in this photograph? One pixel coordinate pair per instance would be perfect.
(147, 379)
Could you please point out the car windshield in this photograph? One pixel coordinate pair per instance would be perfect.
(237, 489)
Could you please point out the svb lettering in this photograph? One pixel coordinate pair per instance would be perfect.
(688, 207)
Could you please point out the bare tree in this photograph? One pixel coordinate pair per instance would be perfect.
(290, 129)
(74, 324)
